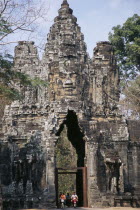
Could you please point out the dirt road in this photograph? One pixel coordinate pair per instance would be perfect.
(111, 208)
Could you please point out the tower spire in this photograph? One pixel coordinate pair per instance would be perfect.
(65, 3)
(65, 9)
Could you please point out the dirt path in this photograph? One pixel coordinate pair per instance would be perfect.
(111, 208)
(116, 208)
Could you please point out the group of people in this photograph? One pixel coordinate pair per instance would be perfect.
(68, 200)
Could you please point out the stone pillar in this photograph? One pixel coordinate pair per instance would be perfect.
(1, 201)
(93, 191)
(121, 180)
(50, 172)
(1, 204)
(133, 168)
(136, 170)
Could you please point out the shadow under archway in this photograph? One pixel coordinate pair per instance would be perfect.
(70, 153)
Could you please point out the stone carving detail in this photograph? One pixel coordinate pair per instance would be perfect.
(82, 94)
(113, 175)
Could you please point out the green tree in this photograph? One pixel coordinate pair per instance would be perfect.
(8, 77)
(126, 42)
(15, 16)
(66, 157)
(131, 102)
(20, 15)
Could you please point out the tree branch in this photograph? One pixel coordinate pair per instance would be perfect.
(5, 43)
(5, 6)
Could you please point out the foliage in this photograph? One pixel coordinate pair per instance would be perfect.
(65, 157)
(4, 27)
(9, 90)
(19, 15)
(3, 102)
(131, 102)
(16, 15)
(8, 77)
(126, 42)
(9, 23)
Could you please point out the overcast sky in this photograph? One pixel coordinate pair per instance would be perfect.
(95, 17)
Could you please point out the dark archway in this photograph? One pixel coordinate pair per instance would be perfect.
(73, 152)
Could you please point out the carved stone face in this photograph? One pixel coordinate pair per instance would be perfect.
(64, 85)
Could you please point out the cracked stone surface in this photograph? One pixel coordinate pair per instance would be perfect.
(83, 95)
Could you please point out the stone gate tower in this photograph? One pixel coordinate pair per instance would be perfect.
(82, 95)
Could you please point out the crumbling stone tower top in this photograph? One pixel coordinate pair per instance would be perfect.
(72, 75)
(80, 101)
(65, 57)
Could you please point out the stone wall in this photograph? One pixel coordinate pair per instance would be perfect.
(133, 156)
(82, 95)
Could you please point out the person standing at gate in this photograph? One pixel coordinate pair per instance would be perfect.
(68, 200)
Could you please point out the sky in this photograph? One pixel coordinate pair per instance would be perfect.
(95, 17)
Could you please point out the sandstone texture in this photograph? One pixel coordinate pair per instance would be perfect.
(82, 95)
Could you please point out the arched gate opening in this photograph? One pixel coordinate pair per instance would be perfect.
(70, 155)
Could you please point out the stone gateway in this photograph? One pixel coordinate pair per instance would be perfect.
(81, 100)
